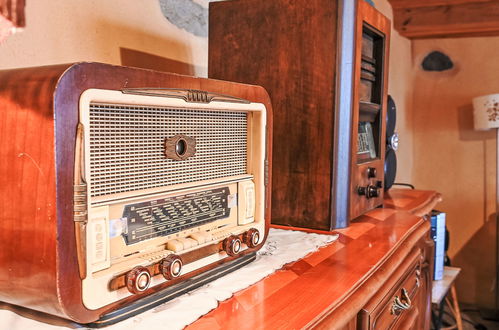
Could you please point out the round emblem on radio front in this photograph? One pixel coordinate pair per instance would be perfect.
(180, 147)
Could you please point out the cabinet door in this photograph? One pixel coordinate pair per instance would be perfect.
(400, 303)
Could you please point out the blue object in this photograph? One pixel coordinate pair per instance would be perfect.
(438, 235)
(371, 2)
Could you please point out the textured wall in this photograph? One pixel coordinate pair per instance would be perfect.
(186, 14)
(190, 15)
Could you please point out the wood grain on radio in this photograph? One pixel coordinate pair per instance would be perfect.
(36, 142)
(277, 52)
(352, 283)
(299, 61)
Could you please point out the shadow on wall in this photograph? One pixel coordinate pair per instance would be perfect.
(114, 40)
(138, 59)
(477, 256)
(476, 283)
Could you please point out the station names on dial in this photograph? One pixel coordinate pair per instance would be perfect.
(167, 216)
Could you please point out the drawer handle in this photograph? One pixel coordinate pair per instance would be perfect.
(402, 303)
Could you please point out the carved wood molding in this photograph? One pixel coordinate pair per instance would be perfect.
(446, 18)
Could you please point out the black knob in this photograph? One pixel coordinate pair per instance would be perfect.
(369, 191)
(372, 191)
(371, 172)
(379, 184)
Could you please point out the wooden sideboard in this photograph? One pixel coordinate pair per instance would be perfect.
(361, 281)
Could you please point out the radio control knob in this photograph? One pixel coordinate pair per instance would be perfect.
(138, 280)
(252, 237)
(371, 172)
(369, 191)
(171, 266)
(232, 245)
(372, 191)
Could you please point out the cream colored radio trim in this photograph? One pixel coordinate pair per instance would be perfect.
(95, 290)
(256, 126)
(178, 188)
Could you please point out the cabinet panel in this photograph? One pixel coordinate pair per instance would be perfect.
(398, 301)
(308, 58)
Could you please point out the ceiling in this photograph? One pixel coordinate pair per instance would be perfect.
(446, 18)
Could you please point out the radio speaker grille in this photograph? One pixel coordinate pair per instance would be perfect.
(127, 146)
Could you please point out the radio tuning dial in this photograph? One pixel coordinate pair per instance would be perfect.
(171, 266)
(138, 280)
(371, 172)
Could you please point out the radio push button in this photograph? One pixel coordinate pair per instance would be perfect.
(174, 245)
(138, 280)
(202, 237)
(232, 245)
(252, 237)
(187, 242)
(171, 267)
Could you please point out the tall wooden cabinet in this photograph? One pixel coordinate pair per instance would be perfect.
(324, 64)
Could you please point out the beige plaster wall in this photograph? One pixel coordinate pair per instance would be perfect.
(400, 87)
(449, 156)
(110, 31)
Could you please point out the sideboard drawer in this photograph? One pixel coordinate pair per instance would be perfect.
(396, 303)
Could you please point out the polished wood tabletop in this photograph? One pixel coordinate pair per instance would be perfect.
(417, 202)
(331, 282)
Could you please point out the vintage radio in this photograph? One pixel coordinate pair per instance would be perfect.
(122, 188)
(324, 64)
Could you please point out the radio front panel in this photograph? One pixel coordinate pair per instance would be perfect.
(369, 110)
(165, 180)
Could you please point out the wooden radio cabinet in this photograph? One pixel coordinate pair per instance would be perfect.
(324, 64)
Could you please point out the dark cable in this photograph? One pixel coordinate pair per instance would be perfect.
(404, 184)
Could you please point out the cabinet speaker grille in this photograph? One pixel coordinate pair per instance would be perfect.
(127, 146)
